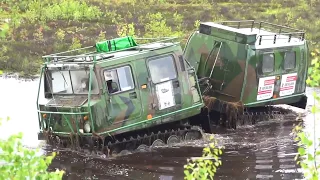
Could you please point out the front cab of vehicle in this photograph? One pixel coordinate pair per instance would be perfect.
(70, 94)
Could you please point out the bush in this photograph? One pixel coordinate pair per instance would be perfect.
(205, 167)
(18, 162)
(309, 150)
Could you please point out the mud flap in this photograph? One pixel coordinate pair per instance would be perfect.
(226, 112)
(302, 103)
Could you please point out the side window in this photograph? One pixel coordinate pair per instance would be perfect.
(267, 63)
(118, 79)
(289, 60)
(162, 69)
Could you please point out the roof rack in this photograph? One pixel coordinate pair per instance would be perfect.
(258, 29)
(90, 55)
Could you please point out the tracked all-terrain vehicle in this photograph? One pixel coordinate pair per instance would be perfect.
(245, 66)
(122, 95)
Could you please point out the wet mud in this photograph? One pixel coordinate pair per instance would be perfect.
(263, 151)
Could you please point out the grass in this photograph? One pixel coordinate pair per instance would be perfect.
(32, 38)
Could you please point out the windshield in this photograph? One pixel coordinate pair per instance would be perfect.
(71, 82)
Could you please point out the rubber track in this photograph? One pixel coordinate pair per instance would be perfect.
(248, 117)
(95, 148)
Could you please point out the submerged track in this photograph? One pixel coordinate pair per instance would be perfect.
(167, 134)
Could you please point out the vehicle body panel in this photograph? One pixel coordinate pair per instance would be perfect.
(135, 106)
(238, 66)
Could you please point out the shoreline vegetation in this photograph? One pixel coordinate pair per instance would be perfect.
(30, 29)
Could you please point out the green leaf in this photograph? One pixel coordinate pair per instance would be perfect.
(216, 151)
(313, 62)
(186, 172)
(216, 164)
(301, 151)
(310, 157)
(3, 30)
(303, 165)
(33, 165)
(308, 81)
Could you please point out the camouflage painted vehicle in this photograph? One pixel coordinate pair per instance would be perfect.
(96, 96)
(244, 66)
(121, 95)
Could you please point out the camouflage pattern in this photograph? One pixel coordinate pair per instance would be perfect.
(133, 109)
(236, 56)
(236, 74)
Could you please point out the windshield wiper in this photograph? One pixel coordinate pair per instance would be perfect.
(64, 79)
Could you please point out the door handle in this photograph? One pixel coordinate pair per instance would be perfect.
(133, 95)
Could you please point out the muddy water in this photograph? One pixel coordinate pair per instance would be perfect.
(263, 151)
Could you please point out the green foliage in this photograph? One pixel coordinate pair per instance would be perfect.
(18, 162)
(156, 26)
(43, 10)
(202, 2)
(4, 27)
(75, 43)
(124, 29)
(306, 143)
(206, 166)
(197, 24)
(60, 34)
(102, 36)
(146, 2)
(38, 34)
(314, 71)
(32, 24)
(3, 57)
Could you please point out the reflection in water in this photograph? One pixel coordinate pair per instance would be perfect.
(272, 156)
(264, 151)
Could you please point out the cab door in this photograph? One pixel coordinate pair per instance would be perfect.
(267, 70)
(165, 83)
(289, 73)
(123, 96)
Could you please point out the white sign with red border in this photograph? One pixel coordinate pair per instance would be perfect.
(288, 84)
(265, 88)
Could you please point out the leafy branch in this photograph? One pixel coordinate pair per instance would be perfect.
(18, 162)
(206, 166)
(308, 150)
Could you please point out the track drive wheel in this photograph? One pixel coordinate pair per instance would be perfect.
(142, 148)
(157, 142)
(173, 139)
